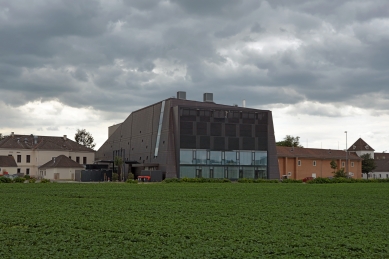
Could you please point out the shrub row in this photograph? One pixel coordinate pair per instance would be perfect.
(131, 181)
(346, 180)
(196, 180)
(21, 180)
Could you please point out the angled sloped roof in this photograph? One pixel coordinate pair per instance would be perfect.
(61, 162)
(360, 145)
(7, 161)
(42, 143)
(314, 153)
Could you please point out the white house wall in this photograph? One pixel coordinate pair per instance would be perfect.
(41, 157)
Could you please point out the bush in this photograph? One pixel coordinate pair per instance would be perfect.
(131, 181)
(43, 180)
(27, 176)
(19, 180)
(115, 177)
(32, 180)
(171, 180)
(291, 181)
(5, 180)
(320, 180)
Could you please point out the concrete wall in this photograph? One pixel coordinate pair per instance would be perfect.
(63, 173)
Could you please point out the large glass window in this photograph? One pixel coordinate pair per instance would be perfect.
(230, 158)
(218, 172)
(233, 172)
(215, 158)
(260, 158)
(246, 157)
(187, 171)
(206, 172)
(248, 172)
(201, 157)
(186, 157)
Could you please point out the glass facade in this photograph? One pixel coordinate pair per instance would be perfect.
(223, 164)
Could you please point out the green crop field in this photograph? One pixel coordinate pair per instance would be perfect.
(187, 220)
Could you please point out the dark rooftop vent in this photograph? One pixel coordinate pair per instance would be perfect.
(181, 95)
(208, 97)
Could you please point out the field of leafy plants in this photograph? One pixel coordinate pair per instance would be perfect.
(191, 220)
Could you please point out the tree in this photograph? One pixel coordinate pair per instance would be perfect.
(119, 162)
(2, 136)
(289, 141)
(334, 165)
(84, 138)
(340, 173)
(368, 164)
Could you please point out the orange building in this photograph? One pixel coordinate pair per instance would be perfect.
(298, 163)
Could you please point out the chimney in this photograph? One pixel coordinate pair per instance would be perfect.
(12, 134)
(65, 137)
(208, 97)
(244, 103)
(181, 95)
(35, 140)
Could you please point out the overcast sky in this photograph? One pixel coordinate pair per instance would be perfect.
(321, 66)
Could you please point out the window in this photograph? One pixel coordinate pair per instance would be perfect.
(343, 164)
(314, 163)
(299, 162)
(84, 160)
(352, 164)
(70, 157)
(28, 171)
(18, 170)
(28, 159)
(78, 159)
(19, 158)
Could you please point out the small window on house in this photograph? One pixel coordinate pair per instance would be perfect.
(84, 160)
(70, 157)
(18, 170)
(28, 158)
(19, 158)
(28, 171)
(343, 164)
(352, 164)
(299, 162)
(77, 159)
(314, 163)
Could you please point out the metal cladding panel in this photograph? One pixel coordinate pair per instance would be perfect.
(126, 128)
(262, 143)
(248, 144)
(186, 128)
(205, 142)
(216, 129)
(233, 143)
(262, 118)
(272, 159)
(142, 122)
(230, 130)
(156, 115)
(219, 143)
(260, 130)
(188, 141)
(201, 128)
(245, 130)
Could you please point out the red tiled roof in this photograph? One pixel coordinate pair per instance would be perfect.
(360, 145)
(7, 161)
(42, 143)
(314, 153)
(61, 162)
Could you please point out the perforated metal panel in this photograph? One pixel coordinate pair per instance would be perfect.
(201, 128)
(230, 130)
(187, 141)
(248, 143)
(205, 142)
(186, 128)
(216, 129)
(218, 143)
(245, 130)
(233, 143)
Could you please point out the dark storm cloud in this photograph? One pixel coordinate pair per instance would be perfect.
(122, 55)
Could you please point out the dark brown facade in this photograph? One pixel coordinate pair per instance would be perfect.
(158, 136)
